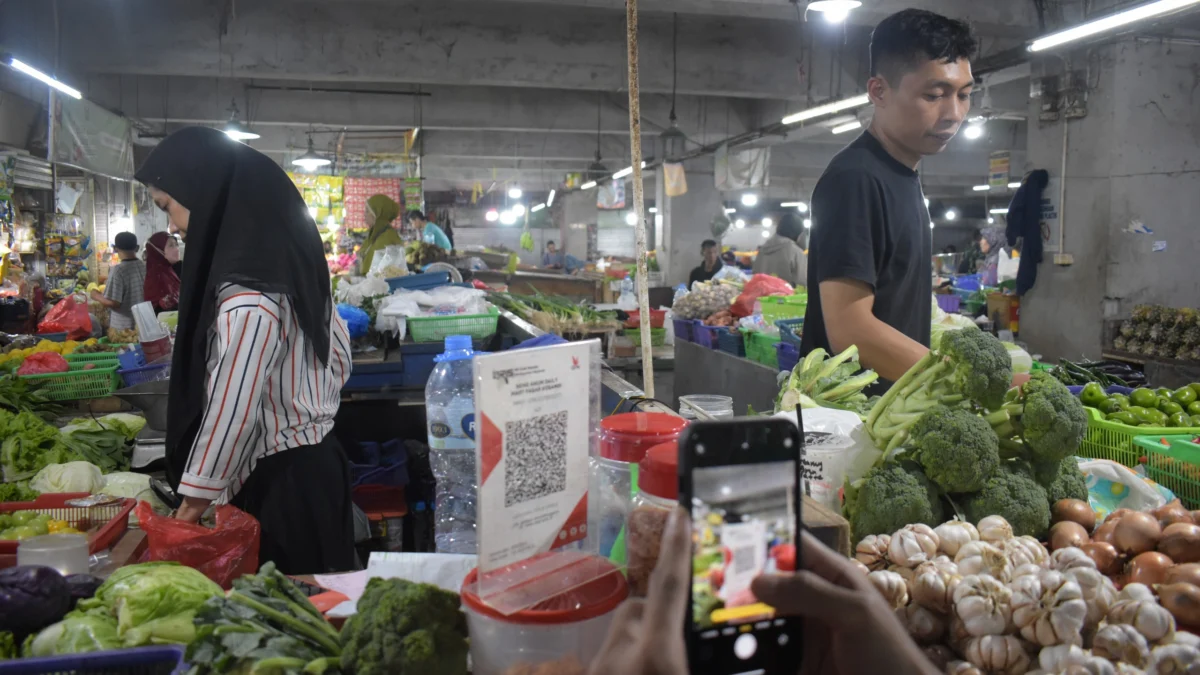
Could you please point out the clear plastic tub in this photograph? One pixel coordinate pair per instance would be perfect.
(715, 405)
(67, 553)
(568, 629)
(658, 494)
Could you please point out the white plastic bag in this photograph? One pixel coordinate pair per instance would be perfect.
(1113, 486)
(1006, 266)
(847, 455)
(389, 263)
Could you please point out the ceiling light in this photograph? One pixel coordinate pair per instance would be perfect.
(492, 215)
(507, 218)
(518, 210)
(310, 161)
(981, 188)
(235, 129)
(999, 211)
(973, 131)
(1110, 23)
(537, 208)
(39, 75)
(951, 214)
(550, 199)
(749, 199)
(848, 126)
(991, 220)
(766, 234)
(739, 223)
(653, 210)
(829, 108)
(622, 173)
(808, 223)
(1014, 185)
(767, 222)
(799, 206)
(631, 218)
(588, 185)
(515, 192)
(729, 210)
(835, 11)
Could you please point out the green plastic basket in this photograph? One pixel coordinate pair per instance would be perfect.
(776, 307)
(658, 336)
(760, 348)
(77, 383)
(96, 358)
(431, 328)
(1116, 441)
(1174, 463)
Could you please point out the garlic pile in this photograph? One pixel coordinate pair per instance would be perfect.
(983, 602)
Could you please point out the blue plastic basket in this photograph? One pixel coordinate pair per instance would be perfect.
(419, 282)
(706, 336)
(138, 661)
(731, 342)
(683, 330)
(790, 330)
(394, 474)
(144, 374)
(788, 355)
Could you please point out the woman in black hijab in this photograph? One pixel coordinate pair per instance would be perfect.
(260, 356)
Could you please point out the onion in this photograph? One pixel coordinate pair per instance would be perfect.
(1105, 532)
(1066, 534)
(1118, 514)
(1172, 512)
(1182, 601)
(1188, 573)
(1149, 568)
(1105, 555)
(1075, 511)
(1136, 533)
(1181, 542)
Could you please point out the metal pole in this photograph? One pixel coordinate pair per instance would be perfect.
(639, 206)
(1062, 191)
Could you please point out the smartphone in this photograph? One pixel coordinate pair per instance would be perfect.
(741, 481)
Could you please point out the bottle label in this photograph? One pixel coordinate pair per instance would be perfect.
(439, 430)
(468, 426)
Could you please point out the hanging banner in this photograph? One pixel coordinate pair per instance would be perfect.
(91, 138)
(356, 192)
(414, 196)
(611, 195)
(999, 168)
(741, 170)
(675, 180)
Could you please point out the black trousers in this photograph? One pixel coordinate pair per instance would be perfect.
(301, 498)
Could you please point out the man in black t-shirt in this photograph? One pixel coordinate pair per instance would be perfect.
(711, 265)
(870, 257)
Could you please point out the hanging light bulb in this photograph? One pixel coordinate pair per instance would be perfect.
(749, 199)
(767, 222)
(311, 161)
(517, 209)
(507, 218)
(739, 223)
(234, 128)
(492, 215)
(515, 192)
(631, 218)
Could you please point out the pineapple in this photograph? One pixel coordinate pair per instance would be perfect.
(1157, 333)
(1193, 354)
(1161, 314)
(1174, 336)
(1127, 328)
(1142, 332)
(1185, 317)
(1120, 343)
(1134, 346)
(1141, 312)
(1191, 336)
(1151, 350)
(1181, 354)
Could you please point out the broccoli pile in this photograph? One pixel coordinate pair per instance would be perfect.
(954, 435)
(403, 627)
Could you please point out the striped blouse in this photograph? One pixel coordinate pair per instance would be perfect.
(266, 390)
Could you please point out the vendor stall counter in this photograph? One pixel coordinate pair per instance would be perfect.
(700, 370)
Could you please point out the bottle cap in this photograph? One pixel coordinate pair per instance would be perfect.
(458, 347)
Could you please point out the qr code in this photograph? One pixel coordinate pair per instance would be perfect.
(535, 457)
(744, 560)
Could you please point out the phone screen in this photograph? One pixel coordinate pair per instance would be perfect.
(740, 479)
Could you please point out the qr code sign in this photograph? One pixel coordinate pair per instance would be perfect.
(535, 457)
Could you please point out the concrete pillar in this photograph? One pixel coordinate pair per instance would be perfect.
(579, 212)
(1131, 159)
(687, 220)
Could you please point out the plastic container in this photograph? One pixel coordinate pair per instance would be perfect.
(160, 371)
(760, 348)
(431, 328)
(628, 436)
(1174, 463)
(827, 459)
(707, 336)
(791, 330)
(569, 628)
(683, 330)
(788, 355)
(138, 661)
(948, 303)
(104, 524)
(731, 342)
(83, 380)
(657, 319)
(714, 404)
(418, 282)
(657, 495)
(67, 553)
(450, 413)
(1115, 441)
(776, 307)
(658, 336)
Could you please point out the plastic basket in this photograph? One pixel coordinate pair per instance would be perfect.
(791, 330)
(53, 337)
(417, 282)
(760, 348)
(657, 319)
(1174, 463)
(788, 355)
(776, 307)
(77, 383)
(683, 330)
(104, 524)
(1115, 441)
(137, 661)
(144, 374)
(380, 501)
(430, 328)
(967, 282)
(731, 342)
(948, 303)
(706, 336)
(658, 336)
(95, 357)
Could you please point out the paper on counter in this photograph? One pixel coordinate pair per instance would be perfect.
(446, 571)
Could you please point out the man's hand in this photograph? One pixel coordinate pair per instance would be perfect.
(847, 305)
(191, 509)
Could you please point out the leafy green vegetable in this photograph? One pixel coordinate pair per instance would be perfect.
(8, 646)
(824, 382)
(29, 445)
(68, 477)
(17, 492)
(16, 395)
(405, 628)
(79, 632)
(154, 602)
(956, 448)
(104, 448)
(1013, 494)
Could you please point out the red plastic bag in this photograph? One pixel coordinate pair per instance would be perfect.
(759, 285)
(223, 553)
(43, 363)
(68, 317)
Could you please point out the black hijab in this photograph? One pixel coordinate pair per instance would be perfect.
(248, 226)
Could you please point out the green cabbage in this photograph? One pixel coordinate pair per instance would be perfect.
(78, 633)
(134, 486)
(69, 477)
(154, 602)
(126, 423)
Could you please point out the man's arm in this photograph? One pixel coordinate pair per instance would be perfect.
(846, 305)
(107, 302)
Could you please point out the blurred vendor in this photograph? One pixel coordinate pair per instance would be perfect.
(552, 259)
(430, 233)
(381, 211)
(710, 265)
(126, 283)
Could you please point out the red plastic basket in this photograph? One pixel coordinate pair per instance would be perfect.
(657, 318)
(104, 525)
(380, 502)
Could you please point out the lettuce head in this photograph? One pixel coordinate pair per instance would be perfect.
(154, 602)
(76, 634)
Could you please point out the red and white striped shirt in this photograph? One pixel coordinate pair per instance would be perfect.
(266, 390)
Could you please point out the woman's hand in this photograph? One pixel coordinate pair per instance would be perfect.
(191, 509)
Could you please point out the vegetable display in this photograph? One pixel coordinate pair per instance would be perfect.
(1161, 332)
(1104, 373)
(152, 603)
(1145, 407)
(24, 524)
(821, 381)
(403, 627)
(32, 597)
(705, 299)
(554, 314)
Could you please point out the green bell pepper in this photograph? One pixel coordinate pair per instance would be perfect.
(1109, 406)
(1144, 398)
(1123, 401)
(1092, 395)
(1170, 407)
(1194, 408)
(1162, 391)
(1184, 396)
(1153, 417)
(1123, 417)
(1195, 386)
(1196, 420)
(1178, 420)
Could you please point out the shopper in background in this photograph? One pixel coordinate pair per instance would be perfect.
(381, 211)
(260, 354)
(126, 283)
(871, 252)
(711, 264)
(781, 255)
(552, 258)
(162, 281)
(429, 232)
(841, 609)
(973, 255)
(991, 243)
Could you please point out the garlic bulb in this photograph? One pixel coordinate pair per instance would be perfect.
(1065, 558)
(1029, 569)
(892, 586)
(1174, 659)
(1024, 551)
(1121, 642)
(994, 529)
(1126, 669)
(940, 655)
(979, 557)
(1098, 592)
(857, 564)
(923, 625)
(913, 545)
(934, 588)
(962, 668)
(1048, 609)
(1092, 665)
(1135, 606)
(1184, 638)
(954, 534)
(984, 605)
(872, 551)
(1059, 657)
(941, 563)
(907, 573)
(957, 634)
(997, 654)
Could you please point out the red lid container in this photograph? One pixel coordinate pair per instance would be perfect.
(595, 598)
(658, 472)
(627, 437)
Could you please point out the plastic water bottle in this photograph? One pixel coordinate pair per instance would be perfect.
(680, 291)
(450, 411)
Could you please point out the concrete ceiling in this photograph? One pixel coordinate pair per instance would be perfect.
(502, 90)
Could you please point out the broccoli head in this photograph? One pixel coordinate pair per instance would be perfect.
(958, 449)
(889, 497)
(1063, 480)
(402, 627)
(1043, 421)
(1013, 494)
